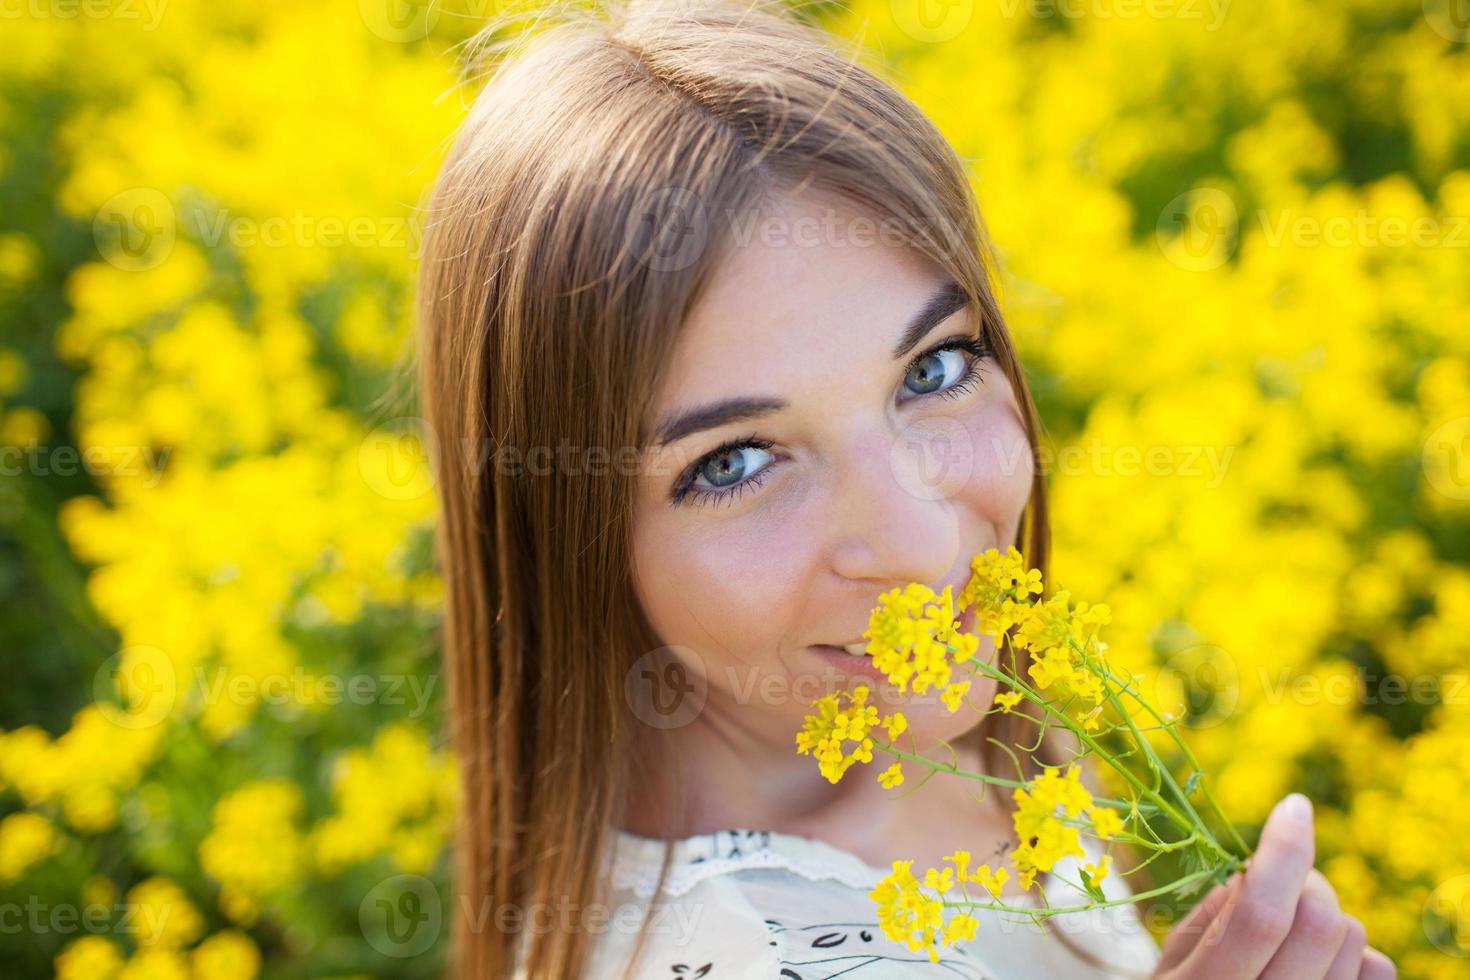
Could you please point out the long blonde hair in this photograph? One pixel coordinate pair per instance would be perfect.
(549, 303)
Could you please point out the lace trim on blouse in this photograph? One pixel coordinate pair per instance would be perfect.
(637, 860)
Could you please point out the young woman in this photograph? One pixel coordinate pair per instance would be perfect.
(711, 360)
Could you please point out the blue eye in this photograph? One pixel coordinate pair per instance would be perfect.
(731, 469)
(926, 373)
(726, 470)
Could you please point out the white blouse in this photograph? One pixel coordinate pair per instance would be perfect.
(764, 905)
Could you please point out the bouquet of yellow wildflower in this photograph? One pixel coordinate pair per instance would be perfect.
(914, 640)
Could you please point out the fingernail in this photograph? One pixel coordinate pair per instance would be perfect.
(1297, 807)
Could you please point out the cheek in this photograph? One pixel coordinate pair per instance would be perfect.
(723, 591)
(1000, 482)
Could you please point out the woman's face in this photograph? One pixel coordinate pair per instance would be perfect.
(835, 429)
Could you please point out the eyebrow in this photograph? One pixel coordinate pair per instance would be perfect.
(947, 300)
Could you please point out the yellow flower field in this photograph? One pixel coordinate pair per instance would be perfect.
(1235, 252)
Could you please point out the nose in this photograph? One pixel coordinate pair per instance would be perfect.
(894, 514)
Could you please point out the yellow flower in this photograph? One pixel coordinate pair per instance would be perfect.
(954, 695)
(1096, 871)
(155, 964)
(1000, 587)
(892, 776)
(908, 634)
(939, 880)
(25, 839)
(962, 926)
(1045, 839)
(991, 881)
(166, 918)
(1008, 700)
(227, 955)
(905, 913)
(1105, 821)
(89, 958)
(825, 732)
(895, 724)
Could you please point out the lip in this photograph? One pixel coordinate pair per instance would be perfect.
(847, 663)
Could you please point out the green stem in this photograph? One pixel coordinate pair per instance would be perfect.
(1188, 755)
(1179, 819)
(978, 776)
(1153, 757)
(1177, 885)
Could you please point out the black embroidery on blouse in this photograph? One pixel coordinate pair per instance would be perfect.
(722, 844)
(812, 961)
(814, 943)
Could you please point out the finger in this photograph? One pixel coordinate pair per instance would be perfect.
(1254, 925)
(1376, 966)
(1318, 929)
(1349, 960)
(1185, 935)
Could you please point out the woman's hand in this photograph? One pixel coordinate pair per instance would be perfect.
(1278, 921)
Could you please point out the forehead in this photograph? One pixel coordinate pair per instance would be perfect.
(812, 286)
